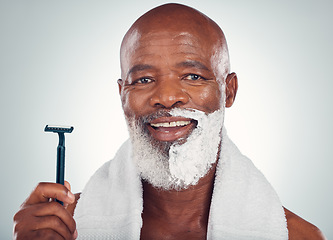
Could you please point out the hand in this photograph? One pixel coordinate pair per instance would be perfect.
(40, 217)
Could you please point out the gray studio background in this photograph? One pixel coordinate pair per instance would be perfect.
(59, 65)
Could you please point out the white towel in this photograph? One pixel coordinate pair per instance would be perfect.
(244, 204)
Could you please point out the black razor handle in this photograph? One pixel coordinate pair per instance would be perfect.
(61, 130)
(60, 174)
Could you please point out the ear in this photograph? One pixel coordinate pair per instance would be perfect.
(120, 85)
(231, 86)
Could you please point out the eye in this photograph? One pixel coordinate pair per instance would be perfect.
(194, 77)
(143, 80)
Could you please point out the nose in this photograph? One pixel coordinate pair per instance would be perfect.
(168, 94)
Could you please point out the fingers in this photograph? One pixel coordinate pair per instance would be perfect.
(67, 185)
(44, 191)
(41, 234)
(41, 218)
(53, 222)
(44, 233)
(50, 209)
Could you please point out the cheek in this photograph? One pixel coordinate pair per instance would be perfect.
(210, 99)
(133, 104)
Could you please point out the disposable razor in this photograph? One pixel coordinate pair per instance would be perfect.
(61, 130)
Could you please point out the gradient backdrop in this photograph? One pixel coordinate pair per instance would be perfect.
(59, 65)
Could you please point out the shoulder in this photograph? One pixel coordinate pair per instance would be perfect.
(71, 207)
(298, 228)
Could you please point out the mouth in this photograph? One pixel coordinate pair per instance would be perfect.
(170, 129)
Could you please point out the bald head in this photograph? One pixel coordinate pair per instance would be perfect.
(177, 17)
(175, 21)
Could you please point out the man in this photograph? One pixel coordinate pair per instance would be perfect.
(179, 176)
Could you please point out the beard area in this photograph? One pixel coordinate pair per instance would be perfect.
(181, 163)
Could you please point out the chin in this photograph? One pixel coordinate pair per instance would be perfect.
(178, 164)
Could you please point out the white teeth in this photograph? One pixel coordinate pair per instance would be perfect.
(171, 124)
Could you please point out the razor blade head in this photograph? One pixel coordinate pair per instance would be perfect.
(58, 129)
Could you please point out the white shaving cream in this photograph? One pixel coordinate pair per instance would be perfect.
(190, 161)
(186, 162)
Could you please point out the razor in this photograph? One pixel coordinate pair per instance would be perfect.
(61, 130)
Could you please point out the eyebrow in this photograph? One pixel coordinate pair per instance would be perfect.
(184, 64)
(193, 64)
(139, 67)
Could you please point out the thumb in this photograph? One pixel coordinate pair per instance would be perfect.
(68, 186)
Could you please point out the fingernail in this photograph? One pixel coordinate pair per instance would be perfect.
(75, 234)
(70, 195)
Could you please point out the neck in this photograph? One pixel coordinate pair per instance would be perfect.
(189, 204)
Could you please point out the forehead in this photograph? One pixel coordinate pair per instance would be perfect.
(158, 37)
(166, 45)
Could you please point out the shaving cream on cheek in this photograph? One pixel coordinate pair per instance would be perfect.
(180, 164)
(190, 161)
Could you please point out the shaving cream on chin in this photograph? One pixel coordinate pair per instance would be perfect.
(190, 161)
(180, 164)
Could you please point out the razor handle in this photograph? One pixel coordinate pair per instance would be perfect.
(61, 130)
(60, 165)
(60, 174)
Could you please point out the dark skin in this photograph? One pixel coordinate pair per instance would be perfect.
(40, 218)
(166, 62)
(177, 214)
(178, 72)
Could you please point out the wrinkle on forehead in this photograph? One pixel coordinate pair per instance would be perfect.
(162, 38)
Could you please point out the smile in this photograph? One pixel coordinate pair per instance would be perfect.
(171, 128)
(171, 124)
